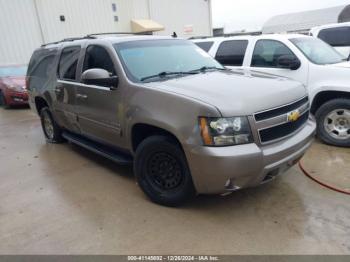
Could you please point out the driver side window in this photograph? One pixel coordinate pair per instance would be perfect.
(98, 57)
(267, 52)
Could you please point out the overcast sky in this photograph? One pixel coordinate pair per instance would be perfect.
(251, 14)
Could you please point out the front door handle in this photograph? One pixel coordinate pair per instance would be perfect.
(58, 90)
(82, 96)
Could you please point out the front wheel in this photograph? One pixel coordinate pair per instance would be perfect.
(161, 171)
(52, 132)
(333, 122)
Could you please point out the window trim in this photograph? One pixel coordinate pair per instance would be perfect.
(59, 62)
(272, 40)
(106, 49)
(233, 40)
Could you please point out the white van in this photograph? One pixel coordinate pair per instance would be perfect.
(336, 35)
(309, 60)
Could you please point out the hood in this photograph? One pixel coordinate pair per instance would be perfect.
(341, 65)
(236, 93)
(18, 81)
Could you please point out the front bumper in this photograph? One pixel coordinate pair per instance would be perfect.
(218, 170)
(16, 98)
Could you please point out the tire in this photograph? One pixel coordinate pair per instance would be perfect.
(52, 132)
(162, 172)
(333, 122)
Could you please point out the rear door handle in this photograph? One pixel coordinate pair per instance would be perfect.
(82, 96)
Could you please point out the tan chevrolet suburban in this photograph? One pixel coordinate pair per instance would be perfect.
(189, 125)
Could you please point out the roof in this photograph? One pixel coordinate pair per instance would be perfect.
(303, 21)
(249, 37)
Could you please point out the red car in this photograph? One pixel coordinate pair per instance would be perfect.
(12, 85)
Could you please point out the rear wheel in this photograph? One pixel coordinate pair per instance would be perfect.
(52, 132)
(333, 122)
(162, 172)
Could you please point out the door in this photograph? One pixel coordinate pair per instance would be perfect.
(99, 107)
(64, 103)
(265, 59)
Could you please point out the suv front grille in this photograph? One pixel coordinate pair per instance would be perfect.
(278, 123)
(281, 110)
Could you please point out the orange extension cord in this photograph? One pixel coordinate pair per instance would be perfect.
(321, 183)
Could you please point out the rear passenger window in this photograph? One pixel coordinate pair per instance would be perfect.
(267, 52)
(41, 64)
(68, 63)
(98, 57)
(205, 45)
(339, 36)
(232, 53)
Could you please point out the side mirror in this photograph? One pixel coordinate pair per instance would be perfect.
(99, 77)
(289, 62)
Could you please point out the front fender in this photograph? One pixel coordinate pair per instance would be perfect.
(172, 112)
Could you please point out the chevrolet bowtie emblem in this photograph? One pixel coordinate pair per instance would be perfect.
(293, 116)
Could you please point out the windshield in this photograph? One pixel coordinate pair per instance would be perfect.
(13, 71)
(318, 51)
(145, 58)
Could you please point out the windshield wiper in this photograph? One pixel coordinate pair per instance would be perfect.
(166, 73)
(206, 68)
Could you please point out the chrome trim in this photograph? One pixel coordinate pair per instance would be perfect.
(84, 85)
(281, 119)
(280, 106)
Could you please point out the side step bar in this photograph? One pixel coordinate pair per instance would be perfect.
(105, 151)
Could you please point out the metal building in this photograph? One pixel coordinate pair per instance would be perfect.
(302, 22)
(26, 24)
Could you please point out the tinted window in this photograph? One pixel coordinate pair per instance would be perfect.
(68, 63)
(232, 52)
(98, 57)
(267, 52)
(336, 36)
(205, 45)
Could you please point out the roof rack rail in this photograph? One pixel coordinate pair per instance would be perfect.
(67, 40)
(200, 37)
(119, 33)
(93, 36)
(243, 34)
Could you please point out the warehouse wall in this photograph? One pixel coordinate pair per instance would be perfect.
(81, 17)
(26, 24)
(19, 29)
(181, 16)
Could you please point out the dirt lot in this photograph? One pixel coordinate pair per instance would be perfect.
(61, 199)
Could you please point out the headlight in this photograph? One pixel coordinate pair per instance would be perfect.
(16, 88)
(225, 131)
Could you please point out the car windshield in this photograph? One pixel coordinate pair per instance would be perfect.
(13, 71)
(318, 51)
(152, 60)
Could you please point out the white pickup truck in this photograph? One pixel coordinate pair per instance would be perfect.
(309, 60)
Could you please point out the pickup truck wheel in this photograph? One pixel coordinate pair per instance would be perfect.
(161, 171)
(51, 130)
(333, 122)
